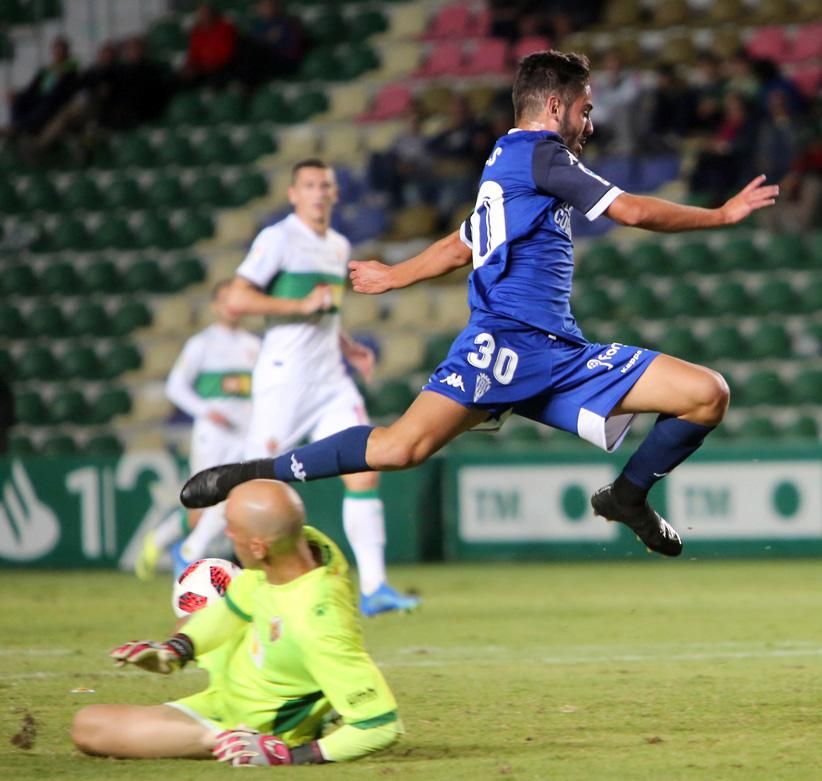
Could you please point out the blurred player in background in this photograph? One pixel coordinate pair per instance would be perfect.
(522, 350)
(294, 275)
(292, 651)
(211, 382)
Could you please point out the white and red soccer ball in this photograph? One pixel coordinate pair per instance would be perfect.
(202, 582)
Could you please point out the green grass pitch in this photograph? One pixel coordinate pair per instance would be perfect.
(665, 670)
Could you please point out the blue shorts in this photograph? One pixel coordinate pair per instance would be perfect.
(500, 365)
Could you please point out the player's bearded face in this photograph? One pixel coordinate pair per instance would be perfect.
(575, 124)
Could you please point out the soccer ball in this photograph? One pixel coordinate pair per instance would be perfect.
(201, 583)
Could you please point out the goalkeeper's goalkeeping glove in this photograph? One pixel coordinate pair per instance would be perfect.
(242, 747)
(156, 657)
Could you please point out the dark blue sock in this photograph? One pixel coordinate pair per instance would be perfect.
(340, 454)
(668, 444)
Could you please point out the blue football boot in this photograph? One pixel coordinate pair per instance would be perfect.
(385, 600)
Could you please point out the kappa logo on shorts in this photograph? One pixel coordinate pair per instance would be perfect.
(454, 380)
(482, 386)
(297, 468)
(605, 358)
(634, 358)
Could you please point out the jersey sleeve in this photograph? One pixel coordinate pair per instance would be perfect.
(466, 235)
(210, 627)
(557, 172)
(265, 258)
(180, 383)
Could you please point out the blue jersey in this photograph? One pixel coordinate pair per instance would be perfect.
(520, 230)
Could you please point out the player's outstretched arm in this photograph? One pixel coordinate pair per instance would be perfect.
(442, 257)
(162, 658)
(246, 299)
(656, 214)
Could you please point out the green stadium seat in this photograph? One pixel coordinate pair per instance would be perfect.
(804, 427)
(101, 276)
(436, 348)
(725, 341)
(322, 64)
(83, 194)
(764, 387)
(591, 303)
(681, 343)
(227, 106)
(21, 445)
(268, 105)
(69, 233)
(637, 301)
(216, 149)
(683, 299)
(145, 276)
(46, 320)
(208, 190)
(354, 62)
(154, 232)
(60, 278)
(124, 193)
(194, 227)
(307, 104)
(119, 359)
(520, 435)
(9, 200)
(7, 365)
(185, 272)
(256, 144)
(68, 406)
(110, 403)
(694, 257)
(786, 251)
(367, 23)
(165, 37)
(186, 108)
(739, 253)
(166, 192)
(770, 340)
(625, 334)
(176, 150)
(112, 233)
(393, 399)
(134, 151)
(648, 257)
(103, 444)
(40, 195)
(328, 27)
(811, 296)
(806, 388)
(247, 187)
(89, 319)
(79, 362)
(58, 445)
(12, 325)
(129, 317)
(814, 248)
(776, 296)
(730, 298)
(602, 259)
(758, 428)
(29, 408)
(18, 280)
(36, 363)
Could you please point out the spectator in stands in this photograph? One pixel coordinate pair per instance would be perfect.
(211, 49)
(50, 89)
(770, 79)
(777, 140)
(740, 76)
(709, 93)
(280, 38)
(668, 107)
(618, 92)
(724, 157)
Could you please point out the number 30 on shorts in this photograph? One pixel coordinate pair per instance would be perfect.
(504, 366)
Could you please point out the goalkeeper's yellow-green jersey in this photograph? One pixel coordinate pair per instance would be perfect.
(292, 652)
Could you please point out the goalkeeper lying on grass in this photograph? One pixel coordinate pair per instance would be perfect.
(291, 653)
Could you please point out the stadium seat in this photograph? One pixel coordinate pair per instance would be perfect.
(487, 56)
(82, 194)
(803, 427)
(129, 317)
(186, 108)
(194, 227)
(216, 149)
(730, 298)
(758, 428)
(776, 295)
(591, 303)
(40, 195)
(808, 79)
(18, 280)
(123, 192)
(528, 45)
(740, 253)
(680, 342)
(247, 187)
(68, 406)
(112, 233)
(9, 200)
(445, 59)
(134, 151)
(725, 341)
(7, 364)
(21, 445)
(806, 387)
(165, 37)
(269, 105)
(648, 257)
(811, 296)
(411, 222)
(451, 21)
(694, 257)
(154, 232)
(58, 445)
(166, 192)
(46, 320)
(620, 14)
(184, 272)
(103, 444)
(79, 362)
(393, 100)
(636, 301)
(119, 359)
(88, 319)
(670, 14)
(683, 299)
(258, 143)
(724, 11)
(208, 190)
(769, 43)
(367, 23)
(770, 340)
(110, 403)
(176, 150)
(145, 275)
(328, 27)
(764, 387)
(227, 106)
(307, 104)
(393, 398)
(12, 325)
(60, 278)
(29, 408)
(786, 251)
(602, 259)
(68, 234)
(101, 276)
(36, 363)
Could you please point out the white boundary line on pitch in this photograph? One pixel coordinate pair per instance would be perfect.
(39, 651)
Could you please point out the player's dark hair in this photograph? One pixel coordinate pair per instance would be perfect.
(542, 74)
(309, 162)
(218, 286)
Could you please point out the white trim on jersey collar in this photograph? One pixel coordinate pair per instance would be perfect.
(514, 130)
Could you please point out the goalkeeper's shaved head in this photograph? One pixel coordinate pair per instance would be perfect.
(267, 510)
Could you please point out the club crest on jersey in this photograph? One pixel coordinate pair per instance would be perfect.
(454, 380)
(482, 386)
(276, 629)
(605, 358)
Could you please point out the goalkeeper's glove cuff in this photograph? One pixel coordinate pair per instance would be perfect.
(182, 645)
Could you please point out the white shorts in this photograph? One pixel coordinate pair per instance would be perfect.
(212, 445)
(283, 415)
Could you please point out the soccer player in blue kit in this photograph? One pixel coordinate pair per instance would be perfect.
(522, 350)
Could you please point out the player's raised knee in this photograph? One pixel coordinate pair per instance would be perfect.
(85, 729)
(714, 396)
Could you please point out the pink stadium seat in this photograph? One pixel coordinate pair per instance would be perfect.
(480, 25)
(490, 55)
(807, 45)
(528, 45)
(393, 100)
(445, 59)
(451, 21)
(809, 80)
(769, 43)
